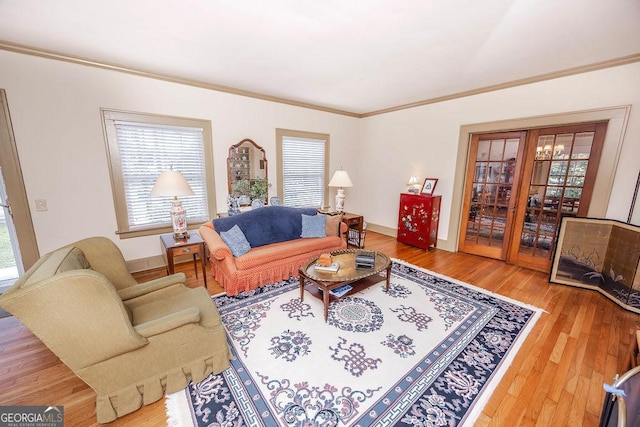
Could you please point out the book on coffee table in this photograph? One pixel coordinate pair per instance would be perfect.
(331, 268)
(338, 292)
(365, 259)
(366, 256)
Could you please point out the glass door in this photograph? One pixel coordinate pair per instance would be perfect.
(491, 191)
(561, 170)
(10, 262)
(520, 184)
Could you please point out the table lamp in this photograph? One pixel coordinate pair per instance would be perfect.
(340, 179)
(172, 183)
(414, 185)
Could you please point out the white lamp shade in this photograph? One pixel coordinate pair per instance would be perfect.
(413, 181)
(171, 183)
(340, 179)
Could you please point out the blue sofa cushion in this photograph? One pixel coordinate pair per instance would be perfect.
(271, 224)
(236, 240)
(314, 226)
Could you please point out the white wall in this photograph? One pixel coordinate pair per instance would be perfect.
(423, 141)
(55, 111)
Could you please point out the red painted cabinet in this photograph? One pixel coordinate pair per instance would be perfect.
(418, 220)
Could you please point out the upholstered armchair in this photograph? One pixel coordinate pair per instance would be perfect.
(130, 342)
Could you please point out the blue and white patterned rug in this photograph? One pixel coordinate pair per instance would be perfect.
(427, 353)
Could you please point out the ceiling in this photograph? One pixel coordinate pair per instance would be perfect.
(352, 56)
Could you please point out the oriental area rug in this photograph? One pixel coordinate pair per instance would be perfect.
(428, 352)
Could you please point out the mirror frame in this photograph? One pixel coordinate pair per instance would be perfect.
(230, 157)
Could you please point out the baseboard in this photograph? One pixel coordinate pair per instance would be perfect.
(393, 232)
(387, 231)
(143, 264)
(157, 261)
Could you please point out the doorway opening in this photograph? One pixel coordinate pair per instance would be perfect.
(18, 247)
(518, 186)
(11, 266)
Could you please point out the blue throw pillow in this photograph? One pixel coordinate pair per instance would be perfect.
(234, 238)
(314, 225)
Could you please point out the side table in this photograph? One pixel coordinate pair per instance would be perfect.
(354, 222)
(192, 245)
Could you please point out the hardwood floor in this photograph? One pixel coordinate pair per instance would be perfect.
(556, 379)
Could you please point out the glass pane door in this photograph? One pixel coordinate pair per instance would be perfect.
(519, 184)
(555, 189)
(490, 193)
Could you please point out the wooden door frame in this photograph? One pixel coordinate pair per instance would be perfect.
(16, 192)
(617, 118)
(494, 252)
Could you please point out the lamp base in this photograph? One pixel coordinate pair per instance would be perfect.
(340, 200)
(179, 220)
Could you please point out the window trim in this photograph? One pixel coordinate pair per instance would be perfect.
(283, 133)
(109, 116)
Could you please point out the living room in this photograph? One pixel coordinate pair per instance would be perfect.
(55, 107)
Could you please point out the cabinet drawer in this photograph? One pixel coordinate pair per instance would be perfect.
(186, 250)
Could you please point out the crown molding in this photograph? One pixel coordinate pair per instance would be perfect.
(520, 82)
(29, 50)
(42, 53)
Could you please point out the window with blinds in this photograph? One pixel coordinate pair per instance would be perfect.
(304, 165)
(141, 147)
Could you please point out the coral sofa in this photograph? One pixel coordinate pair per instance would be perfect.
(130, 342)
(276, 249)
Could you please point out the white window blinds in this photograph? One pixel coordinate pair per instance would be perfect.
(146, 150)
(303, 169)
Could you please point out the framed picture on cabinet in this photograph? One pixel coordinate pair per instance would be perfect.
(429, 186)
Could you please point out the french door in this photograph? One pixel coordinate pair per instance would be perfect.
(495, 163)
(520, 184)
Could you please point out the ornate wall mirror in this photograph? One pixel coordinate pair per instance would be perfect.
(247, 172)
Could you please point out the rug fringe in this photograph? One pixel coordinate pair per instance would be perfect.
(178, 410)
(219, 294)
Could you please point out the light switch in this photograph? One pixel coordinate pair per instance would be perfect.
(41, 205)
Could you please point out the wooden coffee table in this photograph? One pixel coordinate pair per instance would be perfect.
(348, 274)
